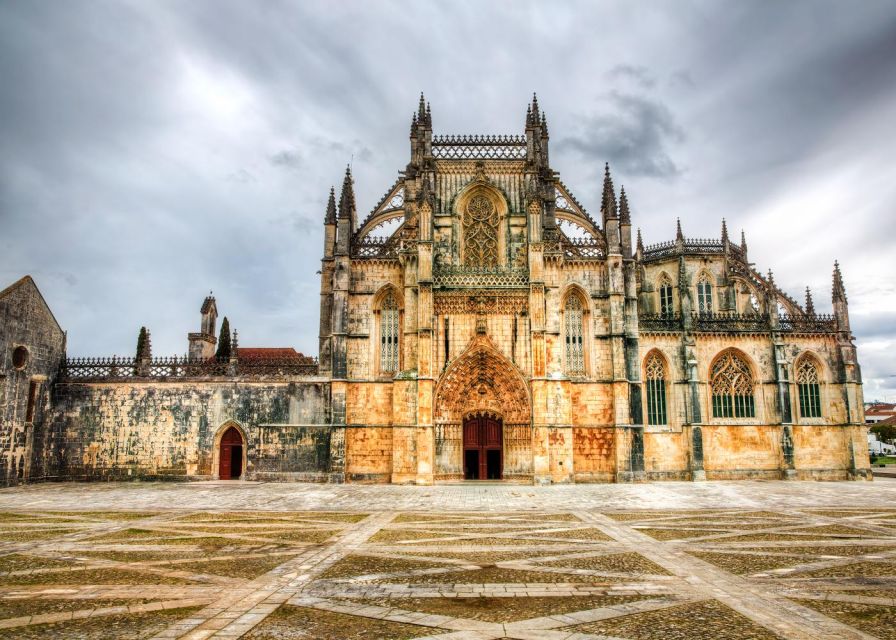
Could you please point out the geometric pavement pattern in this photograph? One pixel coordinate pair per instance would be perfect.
(651, 575)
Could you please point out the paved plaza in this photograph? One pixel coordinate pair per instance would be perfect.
(663, 561)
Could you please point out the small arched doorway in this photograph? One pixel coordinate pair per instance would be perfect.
(483, 447)
(230, 455)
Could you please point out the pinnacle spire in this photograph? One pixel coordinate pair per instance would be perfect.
(743, 242)
(544, 124)
(421, 108)
(330, 217)
(624, 215)
(810, 305)
(347, 197)
(724, 234)
(771, 278)
(640, 244)
(608, 200)
(533, 114)
(838, 291)
(678, 234)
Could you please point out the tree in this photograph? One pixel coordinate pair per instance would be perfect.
(224, 350)
(884, 432)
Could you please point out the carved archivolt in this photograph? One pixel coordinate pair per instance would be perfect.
(481, 379)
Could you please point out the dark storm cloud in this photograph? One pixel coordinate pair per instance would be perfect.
(152, 151)
(633, 132)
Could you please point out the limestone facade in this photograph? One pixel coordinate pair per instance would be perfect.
(480, 324)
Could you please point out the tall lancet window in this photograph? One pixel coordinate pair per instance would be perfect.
(389, 335)
(480, 221)
(666, 296)
(704, 294)
(732, 388)
(573, 319)
(655, 372)
(808, 387)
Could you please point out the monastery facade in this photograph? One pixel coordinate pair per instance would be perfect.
(478, 324)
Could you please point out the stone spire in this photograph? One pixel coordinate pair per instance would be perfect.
(640, 245)
(838, 292)
(810, 305)
(330, 217)
(679, 236)
(771, 279)
(724, 233)
(347, 197)
(533, 113)
(743, 242)
(608, 199)
(624, 215)
(544, 124)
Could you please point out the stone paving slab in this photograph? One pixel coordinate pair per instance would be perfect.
(496, 564)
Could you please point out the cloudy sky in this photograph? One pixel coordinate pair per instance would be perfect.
(153, 151)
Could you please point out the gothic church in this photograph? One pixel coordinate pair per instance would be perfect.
(478, 324)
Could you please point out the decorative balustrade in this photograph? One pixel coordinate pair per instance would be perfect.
(819, 323)
(460, 277)
(730, 321)
(689, 246)
(479, 147)
(376, 247)
(578, 248)
(176, 368)
(659, 322)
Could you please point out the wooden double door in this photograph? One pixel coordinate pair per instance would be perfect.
(230, 457)
(483, 451)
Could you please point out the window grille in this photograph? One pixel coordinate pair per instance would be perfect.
(666, 307)
(480, 222)
(575, 347)
(809, 390)
(704, 294)
(732, 388)
(389, 335)
(656, 390)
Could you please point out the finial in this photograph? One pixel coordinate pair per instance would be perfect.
(608, 200)
(535, 110)
(678, 234)
(724, 233)
(838, 290)
(544, 124)
(624, 215)
(428, 115)
(640, 245)
(743, 242)
(414, 123)
(234, 342)
(810, 305)
(347, 197)
(771, 278)
(330, 217)
(421, 108)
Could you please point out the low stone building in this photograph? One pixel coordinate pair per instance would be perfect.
(480, 324)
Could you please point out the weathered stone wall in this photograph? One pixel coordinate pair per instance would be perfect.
(25, 323)
(169, 429)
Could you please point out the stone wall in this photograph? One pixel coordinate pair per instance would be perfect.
(170, 429)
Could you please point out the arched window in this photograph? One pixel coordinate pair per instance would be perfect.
(655, 372)
(704, 294)
(666, 307)
(732, 388)
(480, 223)
(808, 387)
(389, 334)
(573, 320)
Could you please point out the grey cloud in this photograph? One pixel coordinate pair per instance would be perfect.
(633, 132)
(638, 74)
(287, 158)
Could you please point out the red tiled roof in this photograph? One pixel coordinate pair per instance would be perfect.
(889, 421)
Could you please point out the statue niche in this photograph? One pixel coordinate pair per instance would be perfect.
(480, 229)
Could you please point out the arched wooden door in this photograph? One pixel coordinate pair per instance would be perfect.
(483, 455)
(230, 456)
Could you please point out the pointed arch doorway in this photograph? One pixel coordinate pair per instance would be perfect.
(483, 447)
(230, 455)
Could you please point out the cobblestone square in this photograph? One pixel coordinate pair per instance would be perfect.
(712, 560)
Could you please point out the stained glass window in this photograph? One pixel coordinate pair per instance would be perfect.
(808, 387)
(666, 296)
(704, 294)
(656, 390)
(732, 388)
(389, 335)
(575, 348)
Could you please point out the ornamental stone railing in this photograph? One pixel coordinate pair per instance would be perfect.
(659, 322)
(819, 323)
(461, 277)
(177, 368)
(689, 246)
(510, 147)
(732, 322)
